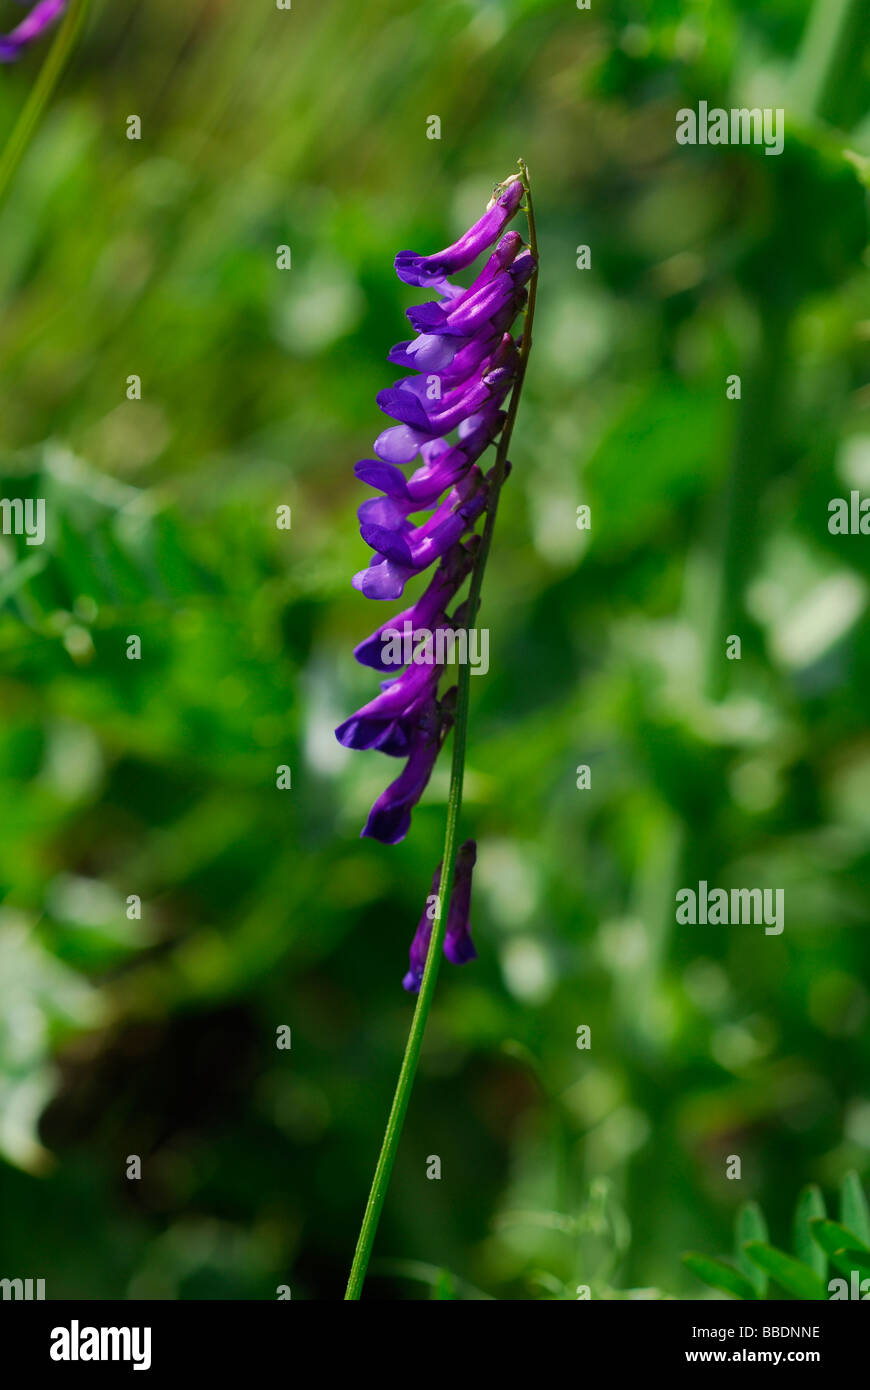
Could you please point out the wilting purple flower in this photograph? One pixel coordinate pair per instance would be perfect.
(30, 28)
(463, 362)
(458, 946)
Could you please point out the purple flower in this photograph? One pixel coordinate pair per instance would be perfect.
(404, 550)
(40, 17)
(460, 318)
(399, 698)
(456, 359)
(426, 318)
(426, 613)
(417, 547)
(390, 816)
(428, 270)
(458, 946)
(462, 364)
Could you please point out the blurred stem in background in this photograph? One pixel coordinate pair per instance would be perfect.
(41, 92)
(829, 61)
(393, 1132)
(826, 73)
(754, 451)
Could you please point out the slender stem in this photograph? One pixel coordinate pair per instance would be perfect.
(40, 92)
(413, 1047)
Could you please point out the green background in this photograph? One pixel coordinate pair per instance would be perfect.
(156, 777)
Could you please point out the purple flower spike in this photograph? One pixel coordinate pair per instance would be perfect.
(428, 270)
(448, 410)
(39, 19)
(458, 946)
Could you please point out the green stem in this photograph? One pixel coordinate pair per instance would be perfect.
(40, 92)
(413, 1047)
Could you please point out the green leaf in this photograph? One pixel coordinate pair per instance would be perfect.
(850, 1259)
(719, 1275)
(833, 1237)
(444, 1289)
(751, 1225)
(854, 1212)
(861, 164)
(796, 1278)
(810, 1207)
(108, 541)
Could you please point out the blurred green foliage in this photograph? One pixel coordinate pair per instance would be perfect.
(763, 1270)
(262, 908)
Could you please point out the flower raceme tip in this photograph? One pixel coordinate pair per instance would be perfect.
(429, 270)
(34, 24)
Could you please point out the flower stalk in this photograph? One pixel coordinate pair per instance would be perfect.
(413, 1048)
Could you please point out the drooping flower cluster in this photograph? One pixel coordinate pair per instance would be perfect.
(40, 17)
(466, 362)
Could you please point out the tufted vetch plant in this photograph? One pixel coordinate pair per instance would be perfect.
(466, 368)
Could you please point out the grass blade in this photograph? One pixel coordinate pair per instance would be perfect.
(796, 1278)
(854, 1212)
(750, 1225)
(847, 1261)
(832, 1237)
(810, 1207)
(720, 1275)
